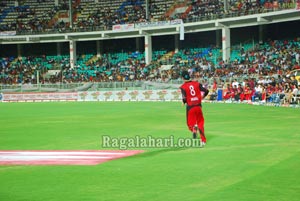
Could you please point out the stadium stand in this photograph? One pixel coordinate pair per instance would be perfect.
(44, 16)
(265, 59)
(268, 65)
(33, 16)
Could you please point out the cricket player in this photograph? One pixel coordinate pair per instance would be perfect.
(192, 94)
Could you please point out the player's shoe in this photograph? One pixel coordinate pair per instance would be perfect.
(194, 135)
(202, 141)
(203, 138)
(202, 144)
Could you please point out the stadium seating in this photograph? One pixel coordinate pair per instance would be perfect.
(121, 63)
(43, 15)
(32, 16)
(247, 61)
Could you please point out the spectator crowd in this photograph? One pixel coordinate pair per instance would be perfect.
(46, 16)
(264, 72)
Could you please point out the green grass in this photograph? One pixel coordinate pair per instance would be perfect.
(252, 153)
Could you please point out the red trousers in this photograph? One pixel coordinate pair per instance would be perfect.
(195, 117)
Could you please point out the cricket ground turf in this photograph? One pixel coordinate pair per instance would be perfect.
(252, 153)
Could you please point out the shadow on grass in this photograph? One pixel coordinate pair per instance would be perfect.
(154, 152)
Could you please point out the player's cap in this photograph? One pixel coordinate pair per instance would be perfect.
(185, 75)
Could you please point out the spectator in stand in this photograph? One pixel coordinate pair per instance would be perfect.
(296, 66)
(235, 83)
(294, 81)
(258, 92)
(261, 80)
(248, 93)
(276, 93)
(288, 91)
(238, 93)
(252, 83)
(215, 85)
(294, 91)
(245, 82)
(272, 82)
(229, 93)
(269, 92)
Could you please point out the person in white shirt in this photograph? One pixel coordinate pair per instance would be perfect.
(295, 90)
(235, 83)
(258, 91)
(261, 80)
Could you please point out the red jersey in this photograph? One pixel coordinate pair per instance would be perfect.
(215, 86)
(192, 93)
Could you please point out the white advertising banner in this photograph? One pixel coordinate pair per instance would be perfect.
(136, 95)
(124, 95)
(123, 27)
(8, 33)
(18, 97)
(158, 23)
